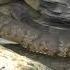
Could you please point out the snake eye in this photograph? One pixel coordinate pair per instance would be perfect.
(54, 7)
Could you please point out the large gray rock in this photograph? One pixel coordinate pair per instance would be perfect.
(24, 60)
(10, 60)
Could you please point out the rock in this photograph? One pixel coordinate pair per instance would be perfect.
(4, 41)
(33, 3)
(10, 60)
(24, 60)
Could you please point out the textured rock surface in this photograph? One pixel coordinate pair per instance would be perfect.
(24, 60)
(10, 60)
(34, 3)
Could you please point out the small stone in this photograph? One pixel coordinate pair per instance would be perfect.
(34, 3)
